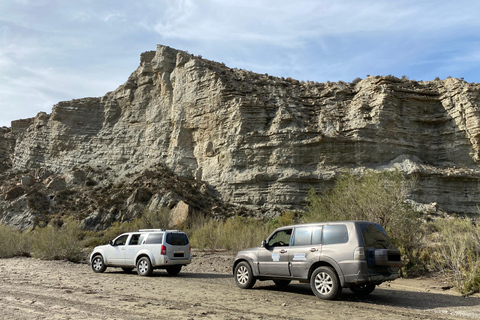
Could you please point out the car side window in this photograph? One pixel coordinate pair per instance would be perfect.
(280, 238)
(136, 239)
(120, 241)
(333, 234)
(317, 235)
(303, 236)
(154, 238)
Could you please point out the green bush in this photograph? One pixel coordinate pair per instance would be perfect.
(457, 252)
(13, 242)
(373, 196)
(235, 233)
(55, 243)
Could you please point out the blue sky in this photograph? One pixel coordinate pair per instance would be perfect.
(55, 50)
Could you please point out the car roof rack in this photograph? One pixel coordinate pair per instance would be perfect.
(150, 230)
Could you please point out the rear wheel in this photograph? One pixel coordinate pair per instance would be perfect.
(144, 266)
(98, 265)
(173, 271)
(324, 283)
(243, 275)
(362, 289)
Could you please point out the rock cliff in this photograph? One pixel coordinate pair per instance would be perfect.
(235, 139)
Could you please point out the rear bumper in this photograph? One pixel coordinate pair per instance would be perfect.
(357, 272)
(164, 262)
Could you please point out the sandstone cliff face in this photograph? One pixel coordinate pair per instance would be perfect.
(255, 140)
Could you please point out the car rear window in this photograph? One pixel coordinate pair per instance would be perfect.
(375, 236)
(154, 238)
(336, 233)
(177, 239)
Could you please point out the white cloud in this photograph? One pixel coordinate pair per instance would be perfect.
(53, 50)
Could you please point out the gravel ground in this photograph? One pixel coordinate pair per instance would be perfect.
(36, 289)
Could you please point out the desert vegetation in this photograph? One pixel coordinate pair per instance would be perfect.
(449, 245)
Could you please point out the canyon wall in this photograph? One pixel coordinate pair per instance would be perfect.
(245, 139)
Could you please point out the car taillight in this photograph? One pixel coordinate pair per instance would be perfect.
(359, 253)
(163, 250)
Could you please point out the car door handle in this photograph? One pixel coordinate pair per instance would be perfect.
(283, 251)
(313, 249)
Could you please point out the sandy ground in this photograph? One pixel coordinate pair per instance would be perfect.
(35, 289)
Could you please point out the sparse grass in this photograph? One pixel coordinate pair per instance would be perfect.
(235, 233)
(56, 243)
(373, 196)
(457, 252)
(13, 242)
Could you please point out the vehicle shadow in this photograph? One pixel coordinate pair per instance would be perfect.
(184, 275)
(385, 297)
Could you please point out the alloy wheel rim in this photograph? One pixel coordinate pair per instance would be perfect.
(323, 283)
(242, 275)
(97, 264)
(143, 266)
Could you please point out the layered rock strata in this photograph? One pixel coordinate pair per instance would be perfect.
(259, 141)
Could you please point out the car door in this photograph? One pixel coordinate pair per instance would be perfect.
(273, 257)
(132, 248)
(115, 253)
(305, 250)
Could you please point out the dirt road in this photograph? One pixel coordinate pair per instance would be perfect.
(35, 289)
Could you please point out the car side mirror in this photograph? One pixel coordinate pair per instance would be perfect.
(264, 244)
(110, 242)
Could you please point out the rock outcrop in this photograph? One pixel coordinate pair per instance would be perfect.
(253, 140)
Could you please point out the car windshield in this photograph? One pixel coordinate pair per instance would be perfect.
(375, 236)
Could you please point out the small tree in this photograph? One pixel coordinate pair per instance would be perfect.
(373, 196)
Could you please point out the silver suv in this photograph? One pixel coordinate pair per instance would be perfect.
(330, 256)
(145, 250)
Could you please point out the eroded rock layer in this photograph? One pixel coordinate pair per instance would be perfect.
(254, 140)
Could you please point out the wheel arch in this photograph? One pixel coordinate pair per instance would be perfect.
(98, 253)
(331, 264)
(141, 255)
(244, 259)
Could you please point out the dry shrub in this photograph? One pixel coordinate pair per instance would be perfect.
(235, 233)
(13, 242)
(373, 196)
(56, 243)
(457, 252)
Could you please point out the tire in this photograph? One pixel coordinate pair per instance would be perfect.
(98, 265)
(127, 270)
(325, 284)
(173, 271)
(144, 267)
(243, 275)
(362, 290)
(282, 283)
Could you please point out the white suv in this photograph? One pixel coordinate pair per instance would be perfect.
(145, 250)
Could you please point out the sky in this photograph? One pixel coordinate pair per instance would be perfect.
(59, 50)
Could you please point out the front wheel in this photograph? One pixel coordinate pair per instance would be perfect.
(98, 265)
(173, 271)
(243, 275)
(144, 266)
(325, 284)
(362, 289)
